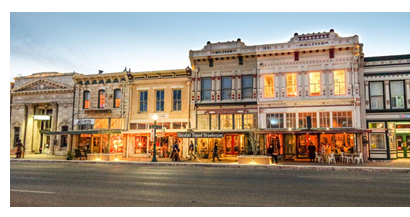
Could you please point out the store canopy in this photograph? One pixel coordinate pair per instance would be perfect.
(78, 132)
(315, 131)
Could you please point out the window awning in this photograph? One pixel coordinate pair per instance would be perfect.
(78, 132)
(315, 131)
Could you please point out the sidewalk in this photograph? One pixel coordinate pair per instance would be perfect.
(400, 165)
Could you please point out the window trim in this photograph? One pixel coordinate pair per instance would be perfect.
(99, 98)
(383, 96)
(404, 94)
(114, 103)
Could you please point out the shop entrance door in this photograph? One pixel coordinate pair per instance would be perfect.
(232, 143)
(403, 142)
(303, 142)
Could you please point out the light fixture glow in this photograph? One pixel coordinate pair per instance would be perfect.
(155, 117)
(41, 117)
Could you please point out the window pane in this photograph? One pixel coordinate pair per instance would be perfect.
(177, 100)
(397, 94)
(324, 119)
(249, 121)
(143, 101)
(226, 122)
(339, 82)
(377, 141)
(269, 86)
(160, 100)
(376, 88)
(238, 121)
(203, 122)
(314, 78)
(247, 81)
(303, 119)
(101, 99)
(274, 120)
(291, 120)
(226, 87)
(206, 88)
(342, 119)
(291, 86)
(214, 122)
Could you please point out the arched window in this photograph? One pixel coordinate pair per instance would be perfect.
(87, 82)
(101, 99)
(117, 98)
(94, 82)
(86, 100)
(108, 81)
(115, 81)
(101, 82)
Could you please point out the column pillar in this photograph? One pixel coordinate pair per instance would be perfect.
(387, 94)
(366, 83)
(407, 89)
(54, 120)
(29, 128)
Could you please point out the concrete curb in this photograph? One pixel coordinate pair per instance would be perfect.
(276, 167)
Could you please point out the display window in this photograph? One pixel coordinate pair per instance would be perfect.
(276, 141)
(234, 144)
(303, 142)
(85, 142)
(117, 143)
(140, 145)
(377, 141)
(289, 141)
(337, 143)
(206, 146)
(100, 143)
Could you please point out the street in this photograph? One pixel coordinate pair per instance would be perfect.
(59, 184)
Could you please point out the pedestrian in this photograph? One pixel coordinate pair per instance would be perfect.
(19, 147)
(176, 152)
(312, 150)
(275, 153)
(215, 152)
(191, 151)
(270, 153)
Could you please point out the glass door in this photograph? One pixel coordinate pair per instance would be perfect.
(406, 148)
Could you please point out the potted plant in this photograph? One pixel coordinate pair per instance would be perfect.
(70, 155)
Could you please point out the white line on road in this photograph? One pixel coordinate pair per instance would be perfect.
(341, 178)
(36, 192)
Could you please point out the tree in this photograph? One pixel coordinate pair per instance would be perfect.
(254, 142)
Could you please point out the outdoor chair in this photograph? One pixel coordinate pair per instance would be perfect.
(79, 155)
(358, 158)
(349, 157)
(332, 158)
(318, 157)
(343, 156)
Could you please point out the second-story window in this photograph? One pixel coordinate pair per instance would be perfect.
(269, 86)
(397, 94)
(247, 87)
(86, 100)
(117, 98)
(226, 87)
(160, 100)
(143, 101)
(291, 85)
(314, 80)
(339, 82)
(101, 99)
(176, 100)
(206, 88)
(376, 95)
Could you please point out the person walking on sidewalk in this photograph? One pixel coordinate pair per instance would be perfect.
(19, 147)
(176, 152)
(191, 151)
(312, 150)
(270, 153)
(215, 152)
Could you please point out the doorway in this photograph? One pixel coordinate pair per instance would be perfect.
(233, 143)
(403, 142)
(303, 141)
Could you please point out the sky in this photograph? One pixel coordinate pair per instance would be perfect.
(88, 42)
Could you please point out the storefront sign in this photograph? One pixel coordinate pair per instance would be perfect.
(405, 116)
(84, 121)
(200, 135)
(227, 111)
(309, 44)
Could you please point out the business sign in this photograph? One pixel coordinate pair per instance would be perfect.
(84, 121)
(200, 135)
(152, 135)
(405, 116)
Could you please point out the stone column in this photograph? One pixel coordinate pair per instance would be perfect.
(29, 128)
(54, 120)
(387, 94)
(367, 94)
(407, 89)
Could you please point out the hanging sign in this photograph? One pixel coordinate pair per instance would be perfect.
(152, 135)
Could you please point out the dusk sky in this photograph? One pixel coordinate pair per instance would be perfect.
(88, 42)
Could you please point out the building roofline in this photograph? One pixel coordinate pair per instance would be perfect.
(389, 57)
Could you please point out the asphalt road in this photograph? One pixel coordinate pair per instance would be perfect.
(54, 184)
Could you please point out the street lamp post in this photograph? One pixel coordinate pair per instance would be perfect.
(154, 157)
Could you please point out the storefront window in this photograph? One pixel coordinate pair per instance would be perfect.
(397, 94)
(304, 142)
(377, 141)
(226, 122)
(100, 143)
(342, 119)
(269, 86)
(203, 122)
(338, 143)
(291, 120)
(274, 120)
(142, 126)
(290, 145)
(117, 143)
(166, 125)
(303, 119)
(85, 142)
(226, 87)
(376, 125)
(291, 85)
(275, 141)
(392, 135)
(238, 121)
(314, 80)
(249, 121)
(203, 146)
(214, 122)
(376, 95)
(324, 118)
(140, 145)
(339, 82)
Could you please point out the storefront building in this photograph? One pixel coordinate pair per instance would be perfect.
(166, 94)
(42, 103)
(101, 112)
(316, 76)
(387, 85)
(224, 97)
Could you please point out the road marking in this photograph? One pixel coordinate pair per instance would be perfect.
(333, 178)
(36, 192)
